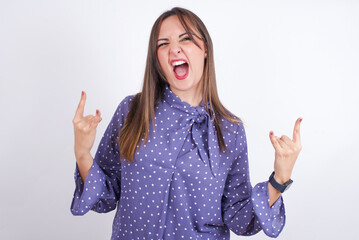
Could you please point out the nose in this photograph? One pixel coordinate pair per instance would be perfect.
(175, 49)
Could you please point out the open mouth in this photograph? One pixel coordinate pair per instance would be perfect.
(180, 69)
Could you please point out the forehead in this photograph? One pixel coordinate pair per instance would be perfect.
(172, 26)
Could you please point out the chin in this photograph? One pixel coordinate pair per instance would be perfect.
(182, 85)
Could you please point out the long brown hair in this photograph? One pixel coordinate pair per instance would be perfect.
(142, 110)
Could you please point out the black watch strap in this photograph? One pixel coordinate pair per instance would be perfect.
(280, 187)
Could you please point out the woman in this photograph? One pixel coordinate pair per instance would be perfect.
(184, 170)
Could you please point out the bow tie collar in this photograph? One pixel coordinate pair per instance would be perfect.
(203, 130)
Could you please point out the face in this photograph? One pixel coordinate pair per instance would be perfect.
(181, 60)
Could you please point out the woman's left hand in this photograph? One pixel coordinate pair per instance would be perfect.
(286, 153)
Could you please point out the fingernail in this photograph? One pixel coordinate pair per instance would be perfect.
(271, 133)
(97, 111)
(82, 93)
(301, 119)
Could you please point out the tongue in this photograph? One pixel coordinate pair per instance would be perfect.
(181, 69)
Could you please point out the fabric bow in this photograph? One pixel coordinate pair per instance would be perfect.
(203, 130)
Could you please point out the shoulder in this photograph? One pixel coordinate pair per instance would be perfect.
(124, 106)
(122, 109)
(233, 134)
(232, 127)
(127, 101)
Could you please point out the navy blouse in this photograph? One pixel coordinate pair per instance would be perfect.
(180, 185)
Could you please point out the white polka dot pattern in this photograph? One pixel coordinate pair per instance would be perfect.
(180, 185)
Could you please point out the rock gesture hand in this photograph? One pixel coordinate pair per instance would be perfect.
(286, 153)
(85, 129)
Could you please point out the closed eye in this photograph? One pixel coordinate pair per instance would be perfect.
(162, 44)
(186, 39)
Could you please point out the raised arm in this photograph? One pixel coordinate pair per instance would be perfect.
(99, 186)
(286, 154)
(246, 210)
(85, 133)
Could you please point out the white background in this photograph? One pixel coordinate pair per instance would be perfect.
(275, 61)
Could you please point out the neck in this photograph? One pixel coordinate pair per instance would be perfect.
(192, 97)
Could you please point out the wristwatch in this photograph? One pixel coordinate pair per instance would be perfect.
(280, 187)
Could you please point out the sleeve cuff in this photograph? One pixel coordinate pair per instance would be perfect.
(87, 193)
(272, 219)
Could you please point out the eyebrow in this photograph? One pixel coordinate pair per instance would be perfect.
(182, 34)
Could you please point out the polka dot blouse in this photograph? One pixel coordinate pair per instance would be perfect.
(180, 185)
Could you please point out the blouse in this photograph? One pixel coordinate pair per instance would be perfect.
(180, 185)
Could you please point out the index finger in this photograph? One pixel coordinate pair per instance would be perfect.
(80, 108)
(296, 131)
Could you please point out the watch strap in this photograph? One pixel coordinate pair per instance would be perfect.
(278, 186)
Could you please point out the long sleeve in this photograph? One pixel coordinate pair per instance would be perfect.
(246, 210)
(101, 189)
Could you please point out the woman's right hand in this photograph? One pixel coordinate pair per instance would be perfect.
(85, 129)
